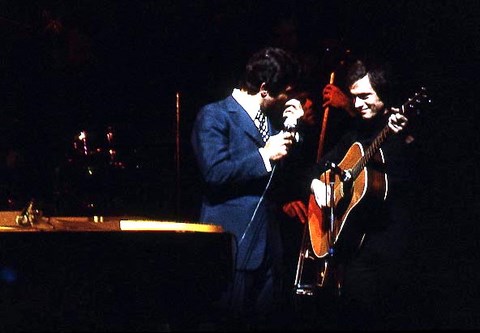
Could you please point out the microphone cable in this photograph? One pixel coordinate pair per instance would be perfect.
(247, 256)
(289, 126)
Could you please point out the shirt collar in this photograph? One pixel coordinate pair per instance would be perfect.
(248, 102)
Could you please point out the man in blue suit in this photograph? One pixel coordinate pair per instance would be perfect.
(237, 166)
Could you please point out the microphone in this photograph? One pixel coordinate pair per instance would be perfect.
(345, 175)
(290, 125)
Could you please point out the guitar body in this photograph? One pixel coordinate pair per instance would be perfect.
(369, 184)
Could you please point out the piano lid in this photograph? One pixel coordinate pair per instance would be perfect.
(168, 226)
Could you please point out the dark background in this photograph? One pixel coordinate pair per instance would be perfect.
(71, 66)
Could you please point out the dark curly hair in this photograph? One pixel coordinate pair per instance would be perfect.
(276, 67)
(379, 72)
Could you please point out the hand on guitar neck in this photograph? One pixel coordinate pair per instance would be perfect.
(397, 121)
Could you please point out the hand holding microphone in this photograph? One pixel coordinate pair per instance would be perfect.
(278, 145)
(292, 113)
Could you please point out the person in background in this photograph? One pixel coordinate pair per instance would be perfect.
(237, 165)
(368, 267)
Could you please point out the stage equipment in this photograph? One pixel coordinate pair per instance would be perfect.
(75, 274)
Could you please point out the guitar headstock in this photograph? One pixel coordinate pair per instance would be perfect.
(412, 105)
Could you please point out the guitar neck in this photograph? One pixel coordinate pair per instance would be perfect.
(370, 151)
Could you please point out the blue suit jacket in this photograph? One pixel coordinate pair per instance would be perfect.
(226, 141)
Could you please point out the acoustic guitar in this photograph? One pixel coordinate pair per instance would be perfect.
(352, 183)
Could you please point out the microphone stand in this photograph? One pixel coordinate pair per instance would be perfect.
(306, 242)
(303, 289)
(334, 170)
(331, 183)
(306, 289)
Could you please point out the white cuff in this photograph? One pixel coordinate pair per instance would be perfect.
(266, 159)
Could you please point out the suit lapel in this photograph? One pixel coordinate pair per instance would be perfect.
(243, 120)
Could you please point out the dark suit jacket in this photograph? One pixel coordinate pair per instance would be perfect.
(226, 141)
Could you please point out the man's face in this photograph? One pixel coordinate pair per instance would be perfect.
(273, 106)
(367, 103)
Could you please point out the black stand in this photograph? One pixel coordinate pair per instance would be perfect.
(321, 275)
(332, 269)
(300, 287)
(320, 292)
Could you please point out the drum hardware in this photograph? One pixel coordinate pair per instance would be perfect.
(29, 215)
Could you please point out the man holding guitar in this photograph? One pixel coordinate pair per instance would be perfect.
(362, 191)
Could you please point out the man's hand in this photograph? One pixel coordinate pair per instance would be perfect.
(296, 209)
(335, 97)
(293, 109)
(321, 193)
(278, 145)
(397, 121)
(309, 117)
